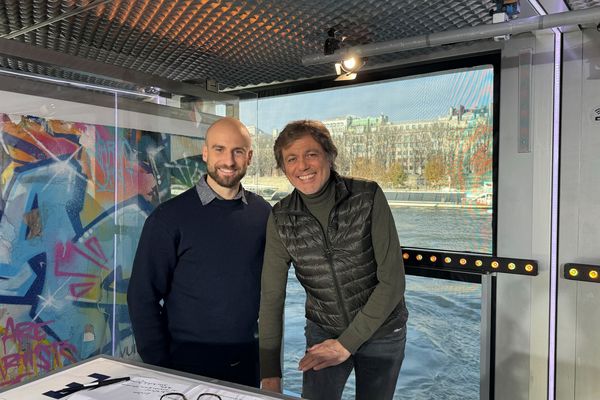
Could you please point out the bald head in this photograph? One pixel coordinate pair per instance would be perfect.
(229, 126)
(227, 153)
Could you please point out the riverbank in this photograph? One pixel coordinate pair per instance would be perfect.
(275, 188)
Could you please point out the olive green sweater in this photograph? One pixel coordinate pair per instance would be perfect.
(386, 296)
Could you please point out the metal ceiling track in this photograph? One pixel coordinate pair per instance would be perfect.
(516, 26)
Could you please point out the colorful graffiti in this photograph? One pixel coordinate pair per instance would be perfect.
(74, 199)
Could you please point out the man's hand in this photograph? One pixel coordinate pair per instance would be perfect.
(271, 384)
(323, 355)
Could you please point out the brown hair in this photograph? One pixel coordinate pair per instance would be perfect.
(298, 129)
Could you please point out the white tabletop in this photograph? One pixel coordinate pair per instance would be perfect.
(147, 382)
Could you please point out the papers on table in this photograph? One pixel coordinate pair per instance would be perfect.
(144, 388)
(137, 387)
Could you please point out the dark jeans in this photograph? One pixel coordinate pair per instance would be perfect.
(376, 367)
(237, 362)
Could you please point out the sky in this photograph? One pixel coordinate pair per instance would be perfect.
(411, 98)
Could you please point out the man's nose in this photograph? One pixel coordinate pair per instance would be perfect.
(302, 164)
(229, 159)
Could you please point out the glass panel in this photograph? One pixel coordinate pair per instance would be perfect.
(56, 253)
(161, 157)
(442, 349)
(428, 141)
(78, 180)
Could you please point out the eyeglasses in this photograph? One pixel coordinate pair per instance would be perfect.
(181, 396)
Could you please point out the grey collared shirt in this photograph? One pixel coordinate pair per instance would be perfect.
(207, 195)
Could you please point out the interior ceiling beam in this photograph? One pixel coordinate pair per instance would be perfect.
(39, 55)
(34, 88)
(557, 6)
(515, 26)
(554, 6)
(441, 54)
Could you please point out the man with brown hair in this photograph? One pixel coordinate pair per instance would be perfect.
(340, 236)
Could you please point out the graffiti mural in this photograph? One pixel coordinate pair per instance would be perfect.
(74, 197)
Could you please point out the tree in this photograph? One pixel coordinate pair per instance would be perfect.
(368, 169)
(395, 175)
(481, 163)
(435, 171)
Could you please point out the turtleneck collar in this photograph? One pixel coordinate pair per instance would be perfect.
(322, 196)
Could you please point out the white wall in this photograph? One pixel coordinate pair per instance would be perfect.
(524, 218)
(578, 347)
(524, 203)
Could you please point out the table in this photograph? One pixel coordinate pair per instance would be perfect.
(148, 382)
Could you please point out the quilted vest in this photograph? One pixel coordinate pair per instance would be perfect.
(336, 266)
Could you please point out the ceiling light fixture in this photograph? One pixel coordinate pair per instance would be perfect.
(347, 68)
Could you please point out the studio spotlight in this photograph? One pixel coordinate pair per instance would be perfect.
(347, 68)
(349, 64)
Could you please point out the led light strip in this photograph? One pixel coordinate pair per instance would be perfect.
(554, 205)
(468, 262)
(582, 272)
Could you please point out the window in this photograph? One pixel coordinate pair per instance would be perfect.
(428, 141)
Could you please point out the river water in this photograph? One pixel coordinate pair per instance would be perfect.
(442, 350)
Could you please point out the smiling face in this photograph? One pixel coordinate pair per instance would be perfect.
(227, 154)
(306, 164)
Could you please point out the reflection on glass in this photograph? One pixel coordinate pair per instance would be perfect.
(428, 142)
(71, 192)
(443, 339)
(442, 348)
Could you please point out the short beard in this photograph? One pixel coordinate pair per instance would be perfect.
(228, 182)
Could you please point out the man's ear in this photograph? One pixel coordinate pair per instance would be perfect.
(205, 153)
(250, 154)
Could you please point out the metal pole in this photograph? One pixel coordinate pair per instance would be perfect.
(590, 15)
(60, 17)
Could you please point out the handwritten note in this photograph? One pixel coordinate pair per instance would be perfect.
(136, 388)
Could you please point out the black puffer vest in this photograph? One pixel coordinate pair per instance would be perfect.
(337, 268)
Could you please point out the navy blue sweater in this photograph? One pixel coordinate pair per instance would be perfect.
(204, 262)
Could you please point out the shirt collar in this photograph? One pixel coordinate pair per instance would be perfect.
(207, 194)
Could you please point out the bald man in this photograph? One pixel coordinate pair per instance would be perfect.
(194, 290)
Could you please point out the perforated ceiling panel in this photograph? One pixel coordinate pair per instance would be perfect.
(237, 43)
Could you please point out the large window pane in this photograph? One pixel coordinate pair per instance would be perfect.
(428, 141)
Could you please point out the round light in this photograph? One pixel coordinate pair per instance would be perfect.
(419, 257)
(512, 266)
(349, 63)
(478, 263)
(593, 274)
(405, 256)
(528, 267)
(462, 261)
(495, 264)
(447, 260)
(573, 272)
(433, 258)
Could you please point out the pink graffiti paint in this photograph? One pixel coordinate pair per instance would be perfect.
(64, 257)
